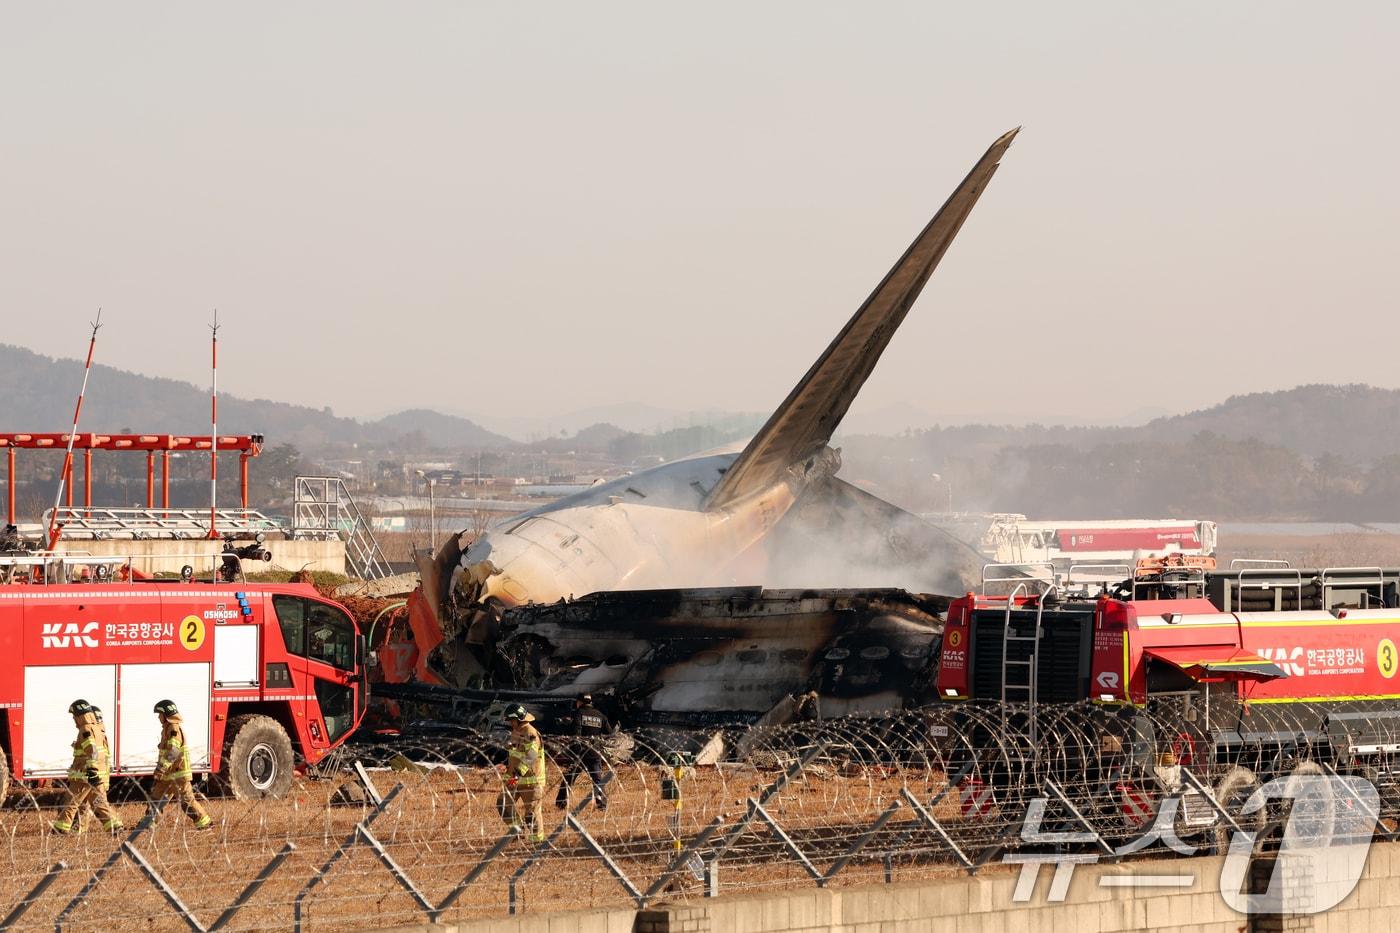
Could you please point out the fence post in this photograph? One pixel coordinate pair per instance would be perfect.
(145, 823)
(540, 850)
(370, 789)
(1074, 811)
(253, 886)
(336, 856)
(491, 855)
(607, 860)
(166, 891)
(34, 894)
(683, 857)
(926, 815)
(859, 844)
(786, 840)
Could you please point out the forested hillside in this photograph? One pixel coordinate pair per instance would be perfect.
(1315, 452)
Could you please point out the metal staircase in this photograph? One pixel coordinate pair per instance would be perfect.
(322, 508)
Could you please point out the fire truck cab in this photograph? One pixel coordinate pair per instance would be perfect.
(268, 677)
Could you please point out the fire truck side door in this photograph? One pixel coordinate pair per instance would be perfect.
(331, 648)
(285, 675)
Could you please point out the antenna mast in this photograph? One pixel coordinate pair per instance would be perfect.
(72, 435)
(214, 419)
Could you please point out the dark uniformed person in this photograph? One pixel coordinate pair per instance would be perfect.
(525, 772)
(90, 774)
(173, 775)
(585, 752)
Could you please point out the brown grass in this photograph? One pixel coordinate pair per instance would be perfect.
(437, 829)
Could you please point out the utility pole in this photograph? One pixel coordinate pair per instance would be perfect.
(67, 470)
(432, 513)
(432, 508)
(214, 418)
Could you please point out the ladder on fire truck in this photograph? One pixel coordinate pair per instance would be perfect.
(1017, 690)
(323, 508)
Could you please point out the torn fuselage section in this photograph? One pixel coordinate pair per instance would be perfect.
(698, 656)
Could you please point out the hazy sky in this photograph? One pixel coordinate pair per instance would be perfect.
(529, 208)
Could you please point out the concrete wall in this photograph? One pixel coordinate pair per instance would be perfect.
(170, 556)
(983, 904)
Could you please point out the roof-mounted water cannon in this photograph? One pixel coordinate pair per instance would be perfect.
(234, 554)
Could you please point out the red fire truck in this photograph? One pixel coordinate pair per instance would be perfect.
(1247, 675)
(1311, 639)
(268, 677)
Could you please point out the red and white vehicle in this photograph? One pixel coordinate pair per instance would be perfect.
(1267, 670)
(268, 677)
(1106, 544)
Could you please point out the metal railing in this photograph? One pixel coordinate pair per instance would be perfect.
(323, 509)
(144, 524)
(50, 568)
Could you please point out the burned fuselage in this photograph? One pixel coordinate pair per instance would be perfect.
(735, 654)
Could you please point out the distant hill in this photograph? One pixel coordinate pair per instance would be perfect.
(1355, 421)
(1312, 453)
(38, 393)
(445, 430)
(630, 417)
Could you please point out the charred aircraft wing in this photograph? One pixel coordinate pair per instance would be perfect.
(804, 423)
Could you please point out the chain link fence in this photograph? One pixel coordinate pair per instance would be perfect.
(418, 830)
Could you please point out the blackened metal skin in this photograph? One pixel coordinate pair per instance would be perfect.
(734, 652)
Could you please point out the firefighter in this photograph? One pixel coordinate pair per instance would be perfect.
(525, 772)
(584, 752)
(173, 776)
(90, 774)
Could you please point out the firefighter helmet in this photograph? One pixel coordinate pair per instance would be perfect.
(167, 708)
(79, 708)
(519, 713)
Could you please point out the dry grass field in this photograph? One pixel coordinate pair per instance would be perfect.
(437, 828)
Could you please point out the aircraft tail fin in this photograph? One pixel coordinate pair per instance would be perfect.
(805, 421)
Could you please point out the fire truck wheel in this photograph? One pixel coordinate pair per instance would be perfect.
(257, 758)
(1233, 790)
(4, 777)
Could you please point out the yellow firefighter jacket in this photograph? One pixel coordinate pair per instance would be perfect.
(526, 756)
(92, 758)
(173, 758)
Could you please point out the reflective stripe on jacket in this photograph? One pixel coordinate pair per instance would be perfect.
(173, 758)
(91, 753)
(526, 756)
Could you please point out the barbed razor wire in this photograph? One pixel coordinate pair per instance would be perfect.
(410, 829)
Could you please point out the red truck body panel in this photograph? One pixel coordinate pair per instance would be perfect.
(217, 649)
(1326, 657)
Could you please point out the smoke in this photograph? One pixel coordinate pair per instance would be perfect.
(842, 537)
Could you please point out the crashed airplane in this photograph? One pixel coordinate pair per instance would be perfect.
(707, 521)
